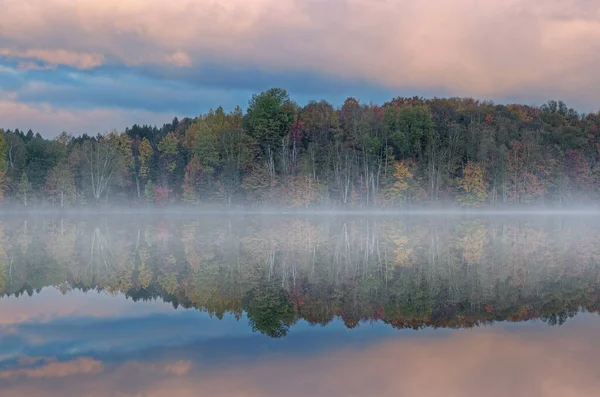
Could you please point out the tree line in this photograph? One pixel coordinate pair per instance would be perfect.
(406, 152)
(405, 273)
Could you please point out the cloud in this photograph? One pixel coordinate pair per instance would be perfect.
(175, 368)
(179, 59)
(483, 48)
(56, 57)
(528, 361)
(49, 304)
(122, 91)
(163, 91)
(53, 369)
(34, 66)
(89, 66)
(101, 325)
(89, 101)
(52, 120)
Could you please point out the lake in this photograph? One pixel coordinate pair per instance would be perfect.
(282, 305)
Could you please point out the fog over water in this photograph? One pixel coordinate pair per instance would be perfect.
(322, 303)
(256, 198)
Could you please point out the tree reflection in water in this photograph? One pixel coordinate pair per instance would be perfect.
(413, 272)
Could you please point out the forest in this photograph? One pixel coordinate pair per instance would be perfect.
(275, 272)
(409, 152)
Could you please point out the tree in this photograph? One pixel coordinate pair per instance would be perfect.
(106, 161)
(141, 162)
(24, 188)
(407, 126)
(41, 156)
(161, 195)
(472, 186)
(3, 151)
(2, 184)
(303, 191)
(525, 185)
(407, 150)
(168, 146)
(64, 138)
(579, 172)
(237, 151)
(145, 154)
(60, 184)
(126, 161)
(15, 154)
(400, 188)
(259, 184)
(270, 311)
(269, 117)
(202, 141)
(149, 191)
(192, 179)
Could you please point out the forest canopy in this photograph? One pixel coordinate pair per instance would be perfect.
(407, 152)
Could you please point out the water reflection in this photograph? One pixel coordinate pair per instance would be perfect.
(408, 273)
(540, 361)
(87, 306)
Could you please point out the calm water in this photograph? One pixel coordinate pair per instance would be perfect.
(299, 306)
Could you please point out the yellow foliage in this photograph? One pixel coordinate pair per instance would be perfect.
(403, 251)
(472, 186)
(403, 177)
(145, 274)
(473, 244)
(521, 112)
(145, 150)
(304, 191)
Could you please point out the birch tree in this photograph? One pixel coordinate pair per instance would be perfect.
(105, 162)
(60, 184)
(24, 188)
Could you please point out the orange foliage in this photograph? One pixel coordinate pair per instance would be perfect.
(403, 177)
(473, 189)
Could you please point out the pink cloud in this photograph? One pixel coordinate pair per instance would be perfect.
(40, 117)
(540, 362)
(53, 369)
(50, 304)
(470, 48)
(57, 57)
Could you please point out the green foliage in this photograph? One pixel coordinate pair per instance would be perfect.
(169, 146)
(270, 115)
(344, 156)
(149, 191)
(41, 156)
(60, 185)
(24, 189)
(407, 126)
(269, 311)
(3, 151)
(203, 143)
(429, 274)
(145, 154)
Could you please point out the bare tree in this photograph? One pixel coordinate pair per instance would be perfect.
(103, 160)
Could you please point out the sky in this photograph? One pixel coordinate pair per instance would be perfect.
(105, 348)
(94, 65)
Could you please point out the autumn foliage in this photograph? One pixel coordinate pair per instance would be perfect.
(472, 186)
(410, 151)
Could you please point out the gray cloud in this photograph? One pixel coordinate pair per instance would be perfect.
(531, 360)
(220, 52)
(52, 121)
(471, 48)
